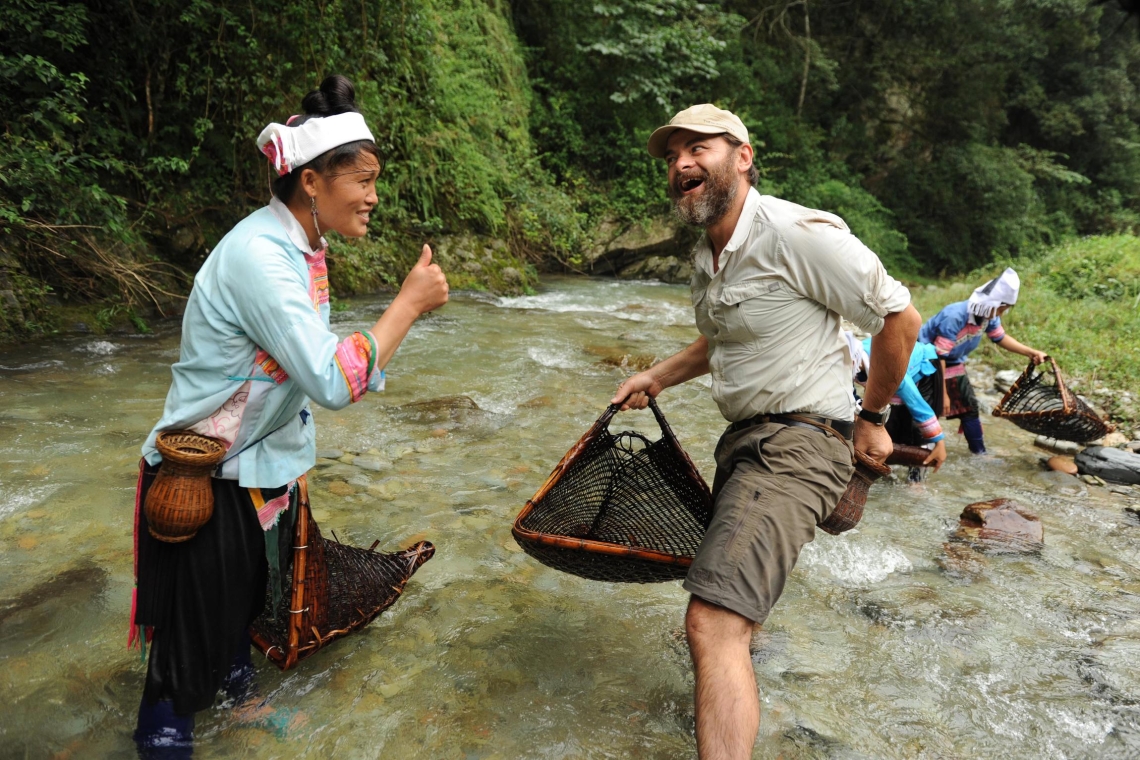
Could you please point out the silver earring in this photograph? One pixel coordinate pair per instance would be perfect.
(313, 211)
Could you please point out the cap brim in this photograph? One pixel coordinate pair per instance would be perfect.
(660, 137)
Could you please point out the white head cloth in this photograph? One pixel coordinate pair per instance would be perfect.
(984, 301)
(289, 147)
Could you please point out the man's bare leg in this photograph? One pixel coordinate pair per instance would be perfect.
(727, 705)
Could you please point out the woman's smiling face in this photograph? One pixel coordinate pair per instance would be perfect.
(345, 197)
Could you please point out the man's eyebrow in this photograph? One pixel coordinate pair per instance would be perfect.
(689, 144)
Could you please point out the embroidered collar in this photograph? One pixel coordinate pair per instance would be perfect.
(294, 230)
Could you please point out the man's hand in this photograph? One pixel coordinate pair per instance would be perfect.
(636, 391)
(938, 456)
(872, 440)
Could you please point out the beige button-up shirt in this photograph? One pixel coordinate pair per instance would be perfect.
(771, 313)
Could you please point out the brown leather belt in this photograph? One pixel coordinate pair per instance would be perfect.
(839, 428)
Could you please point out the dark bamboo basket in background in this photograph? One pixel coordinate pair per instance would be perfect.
(1035, 404)
(336, 589)
(181, 500)
(911, 456)
(619, 508)
(849, 511)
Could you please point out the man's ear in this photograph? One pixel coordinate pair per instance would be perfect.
(744, 157)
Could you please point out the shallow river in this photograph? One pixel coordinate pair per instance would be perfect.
(889, 642)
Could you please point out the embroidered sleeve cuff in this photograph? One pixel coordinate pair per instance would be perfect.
(943, 345)
(355, 356)
(931, 430)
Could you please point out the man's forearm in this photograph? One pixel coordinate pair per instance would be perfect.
(692, 361)
(890, 355)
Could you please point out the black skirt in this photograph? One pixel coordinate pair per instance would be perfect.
(200, 596)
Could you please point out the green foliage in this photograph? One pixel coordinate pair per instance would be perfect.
(1107, 268)
(948, 133)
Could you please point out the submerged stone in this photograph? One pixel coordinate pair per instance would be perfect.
(1003, 522)
(1062, 482)
(370, 463)
(442, 404)
(1115, 465)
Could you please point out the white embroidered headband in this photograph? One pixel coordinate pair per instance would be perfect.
(985, 301)
(289, 147)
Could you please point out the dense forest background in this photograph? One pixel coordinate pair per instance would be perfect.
(948, 133)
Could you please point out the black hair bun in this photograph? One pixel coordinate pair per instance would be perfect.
(336, 95)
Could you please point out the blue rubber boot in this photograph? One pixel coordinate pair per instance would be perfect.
(972, 428)
(162, 734)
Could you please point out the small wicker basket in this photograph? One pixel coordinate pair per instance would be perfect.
(849, 511)
(181, 500)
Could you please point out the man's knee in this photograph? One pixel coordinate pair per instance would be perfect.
(710, 623)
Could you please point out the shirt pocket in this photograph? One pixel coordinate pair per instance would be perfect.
(744, 305)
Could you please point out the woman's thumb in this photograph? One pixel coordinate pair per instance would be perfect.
(425, 256)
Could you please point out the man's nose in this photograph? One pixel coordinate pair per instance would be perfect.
(684, 162)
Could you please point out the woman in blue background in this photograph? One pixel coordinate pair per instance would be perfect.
(955, 332)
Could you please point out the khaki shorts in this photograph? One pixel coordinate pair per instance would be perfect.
(773, 484)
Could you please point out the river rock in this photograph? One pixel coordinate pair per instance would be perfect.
(329, 453)
(1001, 521)
(1057, 446)
(1062, 464)
(1115, 465)
(656, 250)
(1133, 514)
(1004, 379)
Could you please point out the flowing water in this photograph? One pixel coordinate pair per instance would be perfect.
(889, 642)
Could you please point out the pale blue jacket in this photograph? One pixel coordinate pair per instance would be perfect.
(261, 287)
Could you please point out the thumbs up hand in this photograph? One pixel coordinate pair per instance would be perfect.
(425, 287)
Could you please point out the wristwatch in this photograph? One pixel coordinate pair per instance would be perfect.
(876, 418)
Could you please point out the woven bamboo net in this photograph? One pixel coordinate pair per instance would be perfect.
(1041, 403)
(336, 590)
(619, 508)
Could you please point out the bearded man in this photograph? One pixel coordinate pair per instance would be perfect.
(771, 282)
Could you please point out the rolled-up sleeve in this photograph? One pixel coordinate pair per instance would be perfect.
(830, 265)
(271, 299)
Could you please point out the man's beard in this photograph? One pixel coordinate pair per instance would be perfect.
(710, 205)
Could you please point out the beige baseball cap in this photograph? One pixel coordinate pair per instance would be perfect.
(704, 118)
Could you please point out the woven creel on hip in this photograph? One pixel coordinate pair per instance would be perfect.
(1040, 402)
(619, 508)
(336, 589)
(849, 511)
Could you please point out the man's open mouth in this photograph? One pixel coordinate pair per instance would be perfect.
(690, 184)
